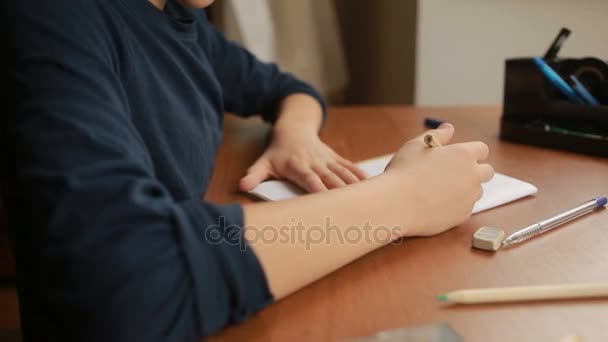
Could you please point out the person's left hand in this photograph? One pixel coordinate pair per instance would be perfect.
(301, 157)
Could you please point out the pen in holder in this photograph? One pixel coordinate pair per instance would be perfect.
(557, 103)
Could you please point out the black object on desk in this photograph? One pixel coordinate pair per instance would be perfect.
(427, 333)
(536, 112)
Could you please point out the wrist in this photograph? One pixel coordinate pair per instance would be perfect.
(401, 201)
(294, 128)
(299, 112)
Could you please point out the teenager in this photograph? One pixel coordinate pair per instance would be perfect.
(119, 117)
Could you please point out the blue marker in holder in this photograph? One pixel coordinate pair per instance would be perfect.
(583, 92)
(557, 81)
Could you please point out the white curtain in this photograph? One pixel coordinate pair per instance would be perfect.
(302, 36)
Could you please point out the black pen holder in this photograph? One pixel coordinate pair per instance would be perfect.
(536, 113)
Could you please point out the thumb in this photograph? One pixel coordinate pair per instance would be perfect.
(255, 175)
(443, 133)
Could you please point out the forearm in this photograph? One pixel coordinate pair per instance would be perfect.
(412, 197)
(376, 222)
(299, 112)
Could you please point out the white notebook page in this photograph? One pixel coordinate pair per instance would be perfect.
(500, 190)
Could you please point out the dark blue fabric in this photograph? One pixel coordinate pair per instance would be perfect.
(118, 121)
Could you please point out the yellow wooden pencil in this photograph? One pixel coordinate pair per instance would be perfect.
(526, 293)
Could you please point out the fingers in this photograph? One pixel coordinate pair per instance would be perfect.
(354, 169)
(345, 174)
(305, 177)
(478, 150)
(312, 182)
(321, 178)
(330, 179)
(256, 174)
(479, 194)
(315, 170)
(486, 172)
(316, 177)
(443, 134)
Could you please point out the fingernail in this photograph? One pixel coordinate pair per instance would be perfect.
(445, 125)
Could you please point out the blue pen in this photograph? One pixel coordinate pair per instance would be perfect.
(555, 221)
(433, 123)
(557, 81)
(583, 92)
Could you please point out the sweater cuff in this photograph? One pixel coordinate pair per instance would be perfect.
(229, 281)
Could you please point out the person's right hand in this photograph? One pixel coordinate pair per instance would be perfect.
(441, 183)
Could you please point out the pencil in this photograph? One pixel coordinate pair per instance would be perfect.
(526, 293)
(430, 141)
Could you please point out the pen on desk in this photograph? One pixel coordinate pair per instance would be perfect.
(433, 123)
(555, 221)
(526, 293)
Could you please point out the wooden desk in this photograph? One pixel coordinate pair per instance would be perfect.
(397, 286)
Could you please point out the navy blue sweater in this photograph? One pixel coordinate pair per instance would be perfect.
(118, 121)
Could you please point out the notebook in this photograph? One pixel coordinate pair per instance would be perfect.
(500, 190)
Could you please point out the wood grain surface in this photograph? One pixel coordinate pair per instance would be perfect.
(397, 286)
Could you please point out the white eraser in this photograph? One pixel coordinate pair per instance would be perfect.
(488, 238)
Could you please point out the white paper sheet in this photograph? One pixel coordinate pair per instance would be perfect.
(500, 190)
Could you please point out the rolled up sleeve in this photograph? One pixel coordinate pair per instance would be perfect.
(105, 252)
